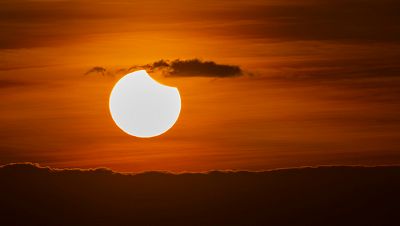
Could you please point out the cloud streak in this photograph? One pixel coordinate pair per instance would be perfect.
(97, 70)
(8, 83)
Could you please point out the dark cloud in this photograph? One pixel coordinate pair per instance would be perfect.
(161, 64)
(34, 195)
(180, 68)
(195, 67)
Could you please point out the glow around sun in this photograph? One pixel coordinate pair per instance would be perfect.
(142, 107)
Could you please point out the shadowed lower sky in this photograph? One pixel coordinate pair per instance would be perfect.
(301, 196)
(305, 82)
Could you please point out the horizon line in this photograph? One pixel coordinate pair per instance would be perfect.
(106, 169)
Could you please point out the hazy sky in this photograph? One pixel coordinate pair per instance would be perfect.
(319, 82)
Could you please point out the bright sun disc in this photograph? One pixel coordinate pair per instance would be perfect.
(142, 107)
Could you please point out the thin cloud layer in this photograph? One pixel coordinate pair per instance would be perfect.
(27, 24)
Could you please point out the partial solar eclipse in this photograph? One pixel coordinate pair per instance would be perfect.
(142, 107)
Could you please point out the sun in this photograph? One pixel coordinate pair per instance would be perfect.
(142, 107)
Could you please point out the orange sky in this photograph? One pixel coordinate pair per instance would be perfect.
(320, 86)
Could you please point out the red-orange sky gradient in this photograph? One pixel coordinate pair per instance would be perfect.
(320, 82)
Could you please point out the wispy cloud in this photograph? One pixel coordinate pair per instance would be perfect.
(8, 83)
(28, 24)
(97, 70)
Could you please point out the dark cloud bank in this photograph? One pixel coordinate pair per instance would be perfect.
(33, 195)
(179, 68)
